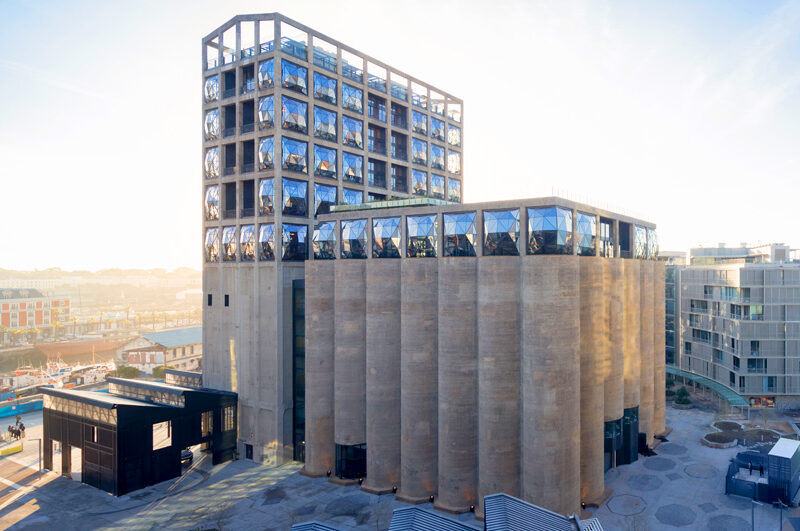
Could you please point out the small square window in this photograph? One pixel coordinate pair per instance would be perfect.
(227, 300)
(209, 299)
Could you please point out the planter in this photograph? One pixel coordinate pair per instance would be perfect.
(730, 444)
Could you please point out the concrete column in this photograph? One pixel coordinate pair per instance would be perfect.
(631, 332)
(659, 349)
(349, 385)
(550, 372)
(383, 376)
(499, 392)
(458, 384)
(66, 459)
(593, 354)
(320, 448)
(613, 389)
(418, 379)
(646, 350)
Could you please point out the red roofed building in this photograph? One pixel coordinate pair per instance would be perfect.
(22, 309)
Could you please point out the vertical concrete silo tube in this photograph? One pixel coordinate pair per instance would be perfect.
(659, 348)
(418, 379)
(614, 386)
(383, 376)
(457, 384)
(550, 372)
(631, 332)
(646, 351)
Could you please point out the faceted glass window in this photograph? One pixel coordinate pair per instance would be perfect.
(266, 152)
(324, 124)
(419, 122)
(324, 88)
(454, 190)
(294, 115)
(294, 197)
(419, 151)
(437, 186)
(352, 197)
(352, 98)
(266, 74)
(353, 167)
(386, 238)
(266, 242)
(437, 129)
(501, 232)
(212, 245)
(324, 198)
(229, 244)
(323, 242)
(639, 242)
(453, 135)
(295, 248)
(247, 243)
(295, 155)
(266, 112)
(211, 125)
(212, 203)
(652, 244)
(421, 236)
(324, 162)
(211, 89)
(266, 196)
(549, 230)
(586, 233)
(459, 234)
(454, 162)
(419, 182)
(352, 132)
(437, 157)
(294, 77)
(354, 238)
(212, 163)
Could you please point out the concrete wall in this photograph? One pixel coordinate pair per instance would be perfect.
(631, 332)
(613, 388)
(659, 360)
(646, 381)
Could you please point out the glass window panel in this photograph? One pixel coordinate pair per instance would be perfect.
(324, 124)
(324, 54)
(419, 122)
(324, 198)
(352, 132)
(352, 98)
(229, 244)
(437, 129)
(352, 197)
(419, 151)
(295, 155)
(212, 203)
(324, 162)
(459, 234)
(501, 232)
(211, 163)
(266, 153)
(247, 243)
(437, 157)
(586, 233)
(212, 245)
(437, 186)
(639, 242)
(419, 182)
(266, 196)
(211, 125)
(453, 135)
(266, 112)
(294, 197)
(211, 89)
(454, 162)
(324, 241)
(421, 234)
(324, 88)
(386, 237)
(266, 242)
(295, 77)
(294, 242)
(454, 190)
(549, 230)
(294, 115)
(652, 244)
(354, 238)
(266, 74)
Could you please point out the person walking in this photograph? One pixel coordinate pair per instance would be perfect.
(22, 430)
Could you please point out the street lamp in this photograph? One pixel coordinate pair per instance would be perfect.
(753, 513)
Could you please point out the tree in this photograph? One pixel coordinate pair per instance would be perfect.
(682, 396)
(158, 372)
(126, 371)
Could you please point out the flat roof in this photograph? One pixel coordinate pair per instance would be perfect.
(176, 338)
(104, 400)
(392, 203)
(785, 448)
(152, 386)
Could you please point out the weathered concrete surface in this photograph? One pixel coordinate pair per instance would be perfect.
(550, 378)
(632, 332)
(614, 386)
(646, 351)
(659, 349)
(458, 384)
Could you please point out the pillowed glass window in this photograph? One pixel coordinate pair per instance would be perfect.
(437, 157)
(652, 244)
(352, 197)
(266, 196)
(586, 233)
(324, 162)
(211, 164)
(437, 186)
(294, 115)
(421, 234)
(229, 244)
(419, 151)
(266, 74)
(212, 203)
(211, 89)
(419, 122)
(211, 125)
(266, 153)
(453, 135)
(352, 98)
(353, 167)
(419, 182)
(639, 242)
(295, 248)
(454, 162)
(352, 132)
(295, 155)
(247, 243)
(459, 234)
(501, 232)
(323, 241)
(386, 237)
(324, 124)
(354, 238)
(266, 112)
(266, 242)
(294, 197)
(212, 245)
(437, 129)
(295, 77)
(549, 230)
(324, 198)
(324, 88)
(454, 190)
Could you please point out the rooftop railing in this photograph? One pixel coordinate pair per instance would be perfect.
(295, 48)
(266, 47)
(324, 60)
(420, 100)
(399, 91)
(376, 83)
(228, 58)
(248, 52)
(351, 72)
(229, 93)
(212, 63)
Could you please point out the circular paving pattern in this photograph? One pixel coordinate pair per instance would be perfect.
(727, 522)
(671, 449)
(675, 515)
(659, 464)
(612, 475)
(644, 482)
(700, 470)
(735, 502)
(626, 505)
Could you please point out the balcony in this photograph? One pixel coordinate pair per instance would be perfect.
(229, 213)
(400, 92)
(229, 93)
(295, 48)
(376, 146)
(228, 131)
(399, 122)
(351, 72)
(399, 153)
(324, 60)
(248, 212)
(228, 58)
(212, 63)
(228, 170)
(248, 167)
(266, 47)
(247, 128)
(248, 86)
(376, 83)
(247, 52)
(399, 185)
(756, 370)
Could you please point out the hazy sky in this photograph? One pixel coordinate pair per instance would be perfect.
(686, 113)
